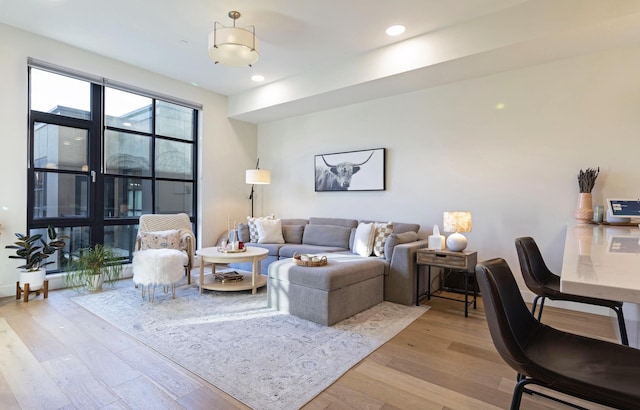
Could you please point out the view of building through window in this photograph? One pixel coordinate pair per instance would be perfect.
(92, 177)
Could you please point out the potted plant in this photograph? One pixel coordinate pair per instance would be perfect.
(35, 251)
(90, 267)
(586, 182)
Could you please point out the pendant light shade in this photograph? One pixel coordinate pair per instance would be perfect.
(233, 46)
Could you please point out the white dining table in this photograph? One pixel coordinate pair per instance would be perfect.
(602, 261)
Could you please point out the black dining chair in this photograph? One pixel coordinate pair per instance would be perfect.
(545, 284)
(594, 370)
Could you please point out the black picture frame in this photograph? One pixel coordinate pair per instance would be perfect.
(335, 171)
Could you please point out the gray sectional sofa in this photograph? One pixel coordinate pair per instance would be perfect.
(336, 235)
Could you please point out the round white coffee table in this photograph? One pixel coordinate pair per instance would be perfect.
(251, 280)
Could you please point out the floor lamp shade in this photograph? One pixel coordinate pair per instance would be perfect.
(456, 222)
(258, 176)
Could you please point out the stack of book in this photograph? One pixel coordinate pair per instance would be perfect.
(228, 276)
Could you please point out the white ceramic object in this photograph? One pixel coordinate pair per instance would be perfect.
(35, 279)
(456, 242)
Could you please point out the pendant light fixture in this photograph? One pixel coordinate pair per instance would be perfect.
(233, 46)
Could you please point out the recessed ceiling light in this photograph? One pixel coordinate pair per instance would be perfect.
(126, 124)
(257, 78)
(395, 30)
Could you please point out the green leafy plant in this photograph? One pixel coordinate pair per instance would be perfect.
(587, 179)
(90, 267)
(35, 250)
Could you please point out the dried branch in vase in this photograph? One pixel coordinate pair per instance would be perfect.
(587, 179)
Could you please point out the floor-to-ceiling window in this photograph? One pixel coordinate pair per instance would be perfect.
(101, 154)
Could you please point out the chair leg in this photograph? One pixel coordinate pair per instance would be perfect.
(534, 305)
(541, 307)
(521, 388)
(517, 393)
(623, 327)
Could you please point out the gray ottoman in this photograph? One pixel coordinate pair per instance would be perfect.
(326, 294)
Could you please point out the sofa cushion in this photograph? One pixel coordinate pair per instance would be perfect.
(292, 233)
(294, 221)
(273, 248)
(400, 227)
(397, 239)
(383, 230)
(288, 250)
(350, 223)
(340, 271)
(326, 235)
(269, 231)
(243, 233)
(363, 240)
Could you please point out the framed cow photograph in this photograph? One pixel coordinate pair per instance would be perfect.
(351, 171)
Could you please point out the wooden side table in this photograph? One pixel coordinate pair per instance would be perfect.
(464, 261)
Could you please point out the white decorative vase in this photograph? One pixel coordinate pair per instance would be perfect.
(456, 242)
(35, 279)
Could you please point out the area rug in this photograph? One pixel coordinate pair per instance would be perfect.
(262, 357)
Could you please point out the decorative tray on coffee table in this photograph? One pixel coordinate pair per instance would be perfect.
(225, 250)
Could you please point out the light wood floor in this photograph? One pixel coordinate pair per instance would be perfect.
(56, 355)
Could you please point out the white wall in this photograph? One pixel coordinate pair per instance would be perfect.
(227, 147)
(450, 148)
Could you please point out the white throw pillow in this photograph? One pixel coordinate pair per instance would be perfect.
(269, 231)
(383, 230)
(363, 241)
(251, 223)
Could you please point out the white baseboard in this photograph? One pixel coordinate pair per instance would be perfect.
(56, 281)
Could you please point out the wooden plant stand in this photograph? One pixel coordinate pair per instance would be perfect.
(44, 290)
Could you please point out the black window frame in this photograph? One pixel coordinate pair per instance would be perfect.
(96, 172)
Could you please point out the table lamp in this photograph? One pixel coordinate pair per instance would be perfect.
(456, 222)
(256, 176)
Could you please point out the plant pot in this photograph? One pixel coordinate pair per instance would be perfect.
(584, 211)
(94, 283)
(35, 279)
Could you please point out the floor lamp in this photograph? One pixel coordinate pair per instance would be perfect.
(256, 176)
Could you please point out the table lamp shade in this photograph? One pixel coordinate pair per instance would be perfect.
(456, 222)
(257, 176)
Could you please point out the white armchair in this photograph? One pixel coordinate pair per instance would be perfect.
(164, 222)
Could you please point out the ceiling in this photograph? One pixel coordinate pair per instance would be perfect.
(302, 39)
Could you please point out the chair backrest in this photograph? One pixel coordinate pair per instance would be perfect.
(534, 270)
(510, 322)
(164, 222)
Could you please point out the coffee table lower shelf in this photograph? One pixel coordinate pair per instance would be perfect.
(245, 284)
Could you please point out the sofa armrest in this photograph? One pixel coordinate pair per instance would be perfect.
(400, 282)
